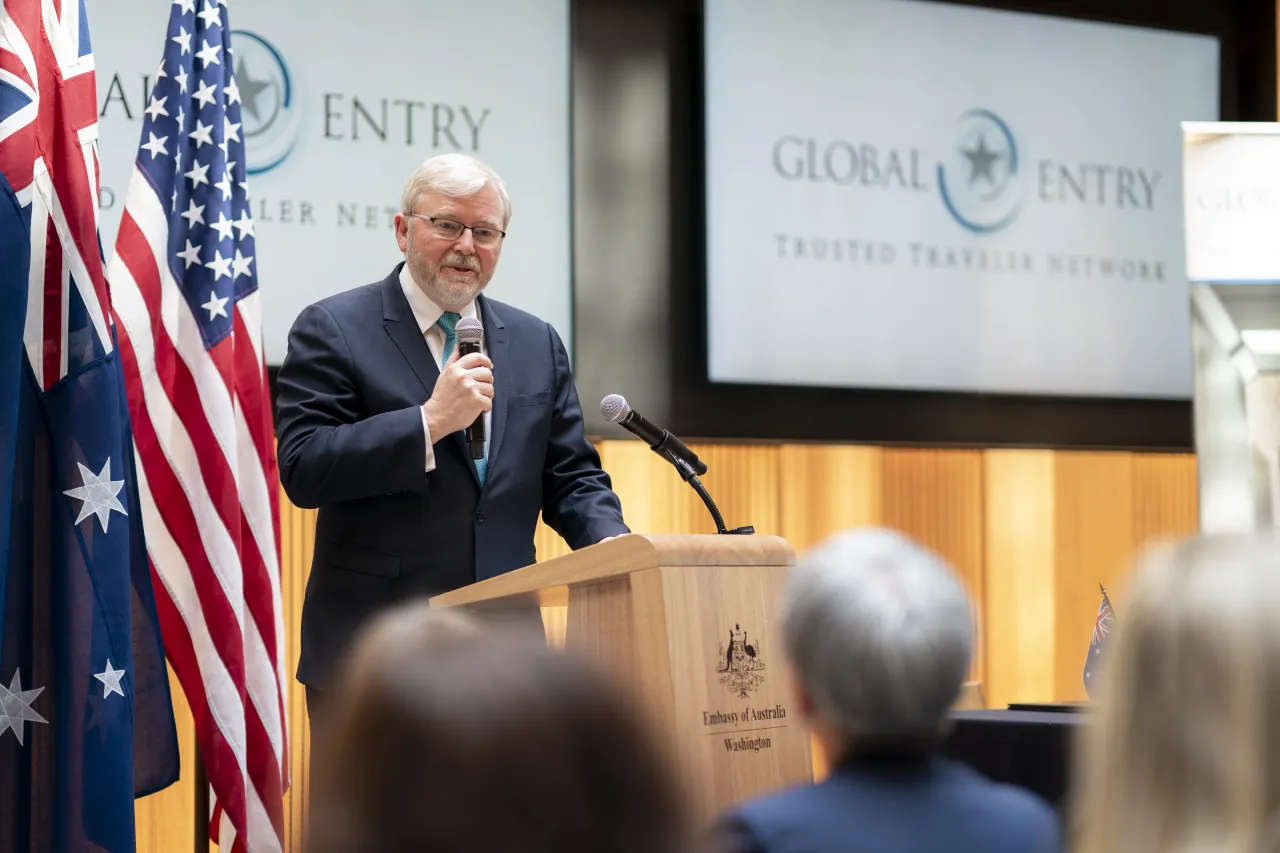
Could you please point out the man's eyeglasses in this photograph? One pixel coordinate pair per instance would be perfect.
(451, 229)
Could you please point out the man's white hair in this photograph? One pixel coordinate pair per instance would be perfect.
(456, 176)
(880, 632)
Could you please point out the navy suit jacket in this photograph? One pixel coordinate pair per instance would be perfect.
(930, 806)
(351, 442)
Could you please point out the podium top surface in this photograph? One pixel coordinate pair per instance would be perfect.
(549, 582)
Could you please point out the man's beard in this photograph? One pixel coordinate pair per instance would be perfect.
(440, 283)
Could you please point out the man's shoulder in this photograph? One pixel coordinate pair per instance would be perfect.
(1004, 812)
(1004, 802)
(366, 297)
(509, 315)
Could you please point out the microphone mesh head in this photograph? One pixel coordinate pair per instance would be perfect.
(614, 408)
(469, 330)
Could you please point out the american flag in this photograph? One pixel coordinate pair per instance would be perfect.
(1098, 643)
(184, 284)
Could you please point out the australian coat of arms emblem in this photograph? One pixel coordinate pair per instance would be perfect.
(740, 664)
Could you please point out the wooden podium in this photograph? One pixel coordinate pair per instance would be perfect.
(689, 623)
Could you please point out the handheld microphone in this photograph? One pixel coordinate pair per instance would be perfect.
(469, 332)
(616, 410)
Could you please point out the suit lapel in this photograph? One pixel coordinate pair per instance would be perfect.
(402, 326)
(496, 345)
(398, 320)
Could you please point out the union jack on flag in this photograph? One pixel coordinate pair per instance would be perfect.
(184, 281)
(1102, 625)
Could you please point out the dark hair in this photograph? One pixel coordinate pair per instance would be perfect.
(451, 740)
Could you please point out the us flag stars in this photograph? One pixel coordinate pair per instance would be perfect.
(194, 155)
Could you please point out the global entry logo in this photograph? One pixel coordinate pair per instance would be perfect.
(270, 108)
(974, 168)
(979, 182)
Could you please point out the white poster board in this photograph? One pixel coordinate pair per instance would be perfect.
(933, 196)
(341, 101)
(1231, 174)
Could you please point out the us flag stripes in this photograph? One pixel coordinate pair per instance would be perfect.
(184, 283)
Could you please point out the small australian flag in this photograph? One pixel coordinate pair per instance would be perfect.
(1097, 645)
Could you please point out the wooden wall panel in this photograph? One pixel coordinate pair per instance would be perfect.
(935, 497)
(297, 542)
(1093, 543)
(1030, 531)
(1164, 497)
(1019, 609)
(743, 480)
(827, 488)
(165, 821)
(653, 498)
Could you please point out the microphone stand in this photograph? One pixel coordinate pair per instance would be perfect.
(687, 474)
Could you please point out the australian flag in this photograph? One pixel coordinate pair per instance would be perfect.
(1098, 643)
(86, 721)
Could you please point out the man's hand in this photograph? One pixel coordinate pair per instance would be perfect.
(463, 391)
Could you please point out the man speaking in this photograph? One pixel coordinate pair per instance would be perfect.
(373, 398)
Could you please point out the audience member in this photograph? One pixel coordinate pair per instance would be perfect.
(879, 632)
(450, 738)
(1184, 754)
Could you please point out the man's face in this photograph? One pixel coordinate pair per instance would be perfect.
(451, 270)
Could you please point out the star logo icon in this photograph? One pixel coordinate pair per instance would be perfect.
(15, 707)
(98, 494)
(250, 88)
(981, 160)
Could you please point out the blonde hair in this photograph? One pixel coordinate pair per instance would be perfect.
(1185, 752)
(456, 176)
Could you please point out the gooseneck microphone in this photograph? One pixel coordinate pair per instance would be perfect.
(616, 410)
(469, 332)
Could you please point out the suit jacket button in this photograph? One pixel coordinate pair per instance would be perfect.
(479, 517)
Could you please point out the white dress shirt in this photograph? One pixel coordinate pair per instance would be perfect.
(427, 313)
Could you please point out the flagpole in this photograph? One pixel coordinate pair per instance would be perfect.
(201, 841)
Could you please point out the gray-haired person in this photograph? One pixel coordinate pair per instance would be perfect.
(879, 632)
(374, 397)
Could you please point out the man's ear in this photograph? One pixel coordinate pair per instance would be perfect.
(402, 231)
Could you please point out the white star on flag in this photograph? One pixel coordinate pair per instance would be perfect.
(209, 54)
(183, 38)
(194, 213)
(190, 255)
(222, 226)
(156, 108)
(221, 266)
(187, 5)
(224, 186)
(240, 265)
(206, 94)
(98, 494)
(244, 224)
(233, 93)
(215, 306)
(15, 706)
(181, 77)
(198, 174)
(212, 17)
(156, 145)
(203, 134)
(110, 678)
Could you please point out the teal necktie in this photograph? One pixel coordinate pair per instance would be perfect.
(449, 323)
